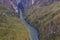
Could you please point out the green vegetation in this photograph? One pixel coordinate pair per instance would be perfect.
(11, 28)
(46, 19)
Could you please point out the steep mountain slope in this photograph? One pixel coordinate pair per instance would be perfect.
(26, 3)
(46, 19)
(11, 28)
(29, 3)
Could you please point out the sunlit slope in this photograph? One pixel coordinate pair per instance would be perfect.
(11, 28)
(46, 19)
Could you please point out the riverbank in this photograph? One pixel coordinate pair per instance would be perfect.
(33, 32)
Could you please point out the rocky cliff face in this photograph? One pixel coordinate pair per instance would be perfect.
(10, 4)
(29, 3)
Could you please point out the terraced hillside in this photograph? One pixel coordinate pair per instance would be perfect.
(46, 19)
(11, 28)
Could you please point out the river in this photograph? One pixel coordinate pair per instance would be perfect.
(33, 32)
